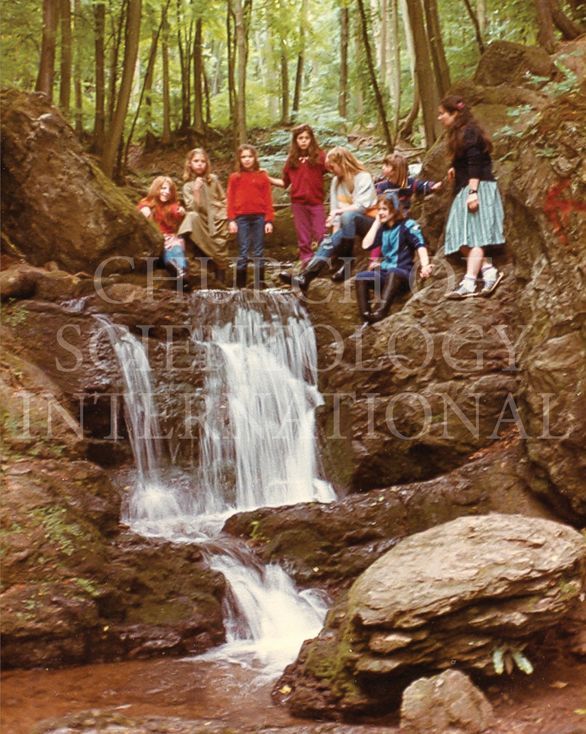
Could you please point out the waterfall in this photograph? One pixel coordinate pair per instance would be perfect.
(257, 449)
(150, 500)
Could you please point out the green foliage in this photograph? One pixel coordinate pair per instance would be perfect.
(64, 534)
(506, 656)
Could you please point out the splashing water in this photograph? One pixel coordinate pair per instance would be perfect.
(257, 449)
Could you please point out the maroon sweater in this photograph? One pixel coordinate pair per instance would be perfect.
(249, 192)
(306, 181)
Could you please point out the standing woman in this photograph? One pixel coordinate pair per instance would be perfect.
(205, 222)
(475, 221)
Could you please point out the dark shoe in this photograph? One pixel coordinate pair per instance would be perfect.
(341, 274)
(466, 289)
(311, 272)
(393, 284)
(362, 298)
(241, 278)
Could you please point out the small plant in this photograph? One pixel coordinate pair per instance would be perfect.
(506, 655)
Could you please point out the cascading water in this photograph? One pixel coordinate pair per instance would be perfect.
(257, 449)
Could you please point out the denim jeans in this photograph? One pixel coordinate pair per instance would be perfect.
(251, 233)
(352, 223)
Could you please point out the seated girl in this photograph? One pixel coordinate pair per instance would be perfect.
(160, 205)
(206, 222)
(395, 238)
(352, 211)
(396, 178)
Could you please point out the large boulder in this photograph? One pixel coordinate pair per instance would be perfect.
(472, 592)
(448, 703)
(329, 545)
(57, 205)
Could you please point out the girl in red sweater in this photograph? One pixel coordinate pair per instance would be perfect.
(160, 205)
(304, 172)
(250, 213)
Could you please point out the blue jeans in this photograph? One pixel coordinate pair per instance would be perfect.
(251, 232)
(337, 245)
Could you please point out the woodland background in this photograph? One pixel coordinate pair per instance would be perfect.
(125, 70)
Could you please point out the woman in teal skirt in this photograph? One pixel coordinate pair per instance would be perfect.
(475, 221)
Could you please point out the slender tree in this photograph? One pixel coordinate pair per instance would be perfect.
(46, 74)
(428, 90)
(380, 104)
(476, 23)
(99, 136)
(66, 57)
(198, 78)
(300, 59)
(132, 36)
(344, 40)
(436, 45)
(166, 134)
(78, 115)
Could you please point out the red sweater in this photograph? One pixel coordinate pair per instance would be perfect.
(167, 217)
(307, 181)
(249, 192)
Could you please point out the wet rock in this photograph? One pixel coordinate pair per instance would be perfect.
(330, 545)
(484, 586)
(80, 219)
(17, 283)
(448, 703)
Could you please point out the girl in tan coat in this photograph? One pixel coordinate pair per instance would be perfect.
(205, 221)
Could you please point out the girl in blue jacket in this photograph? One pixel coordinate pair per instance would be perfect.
(393, 239)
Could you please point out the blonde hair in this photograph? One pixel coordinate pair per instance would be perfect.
(347, 162)
(188, 174)
(400, 168)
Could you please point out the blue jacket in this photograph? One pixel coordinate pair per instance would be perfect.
(398, 245)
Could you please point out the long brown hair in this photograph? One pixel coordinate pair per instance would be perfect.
(347, 162)
(188, 173)
(400, 168)
(295, 151)
(463, 123)
(253, 150)
(390, 199)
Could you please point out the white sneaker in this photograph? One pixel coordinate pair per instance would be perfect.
(466, 289)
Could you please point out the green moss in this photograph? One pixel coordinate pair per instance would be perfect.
(15, 314)
(63, 533)
(87, 586)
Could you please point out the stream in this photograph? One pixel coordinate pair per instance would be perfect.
(257, 448)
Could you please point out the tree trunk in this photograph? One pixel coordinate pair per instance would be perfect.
(565, 25)
(132, 37)
(46, 73)
(406, 129)
(100, 111)
(545, 34)
(208, 104)
(476, 24)
(241, 59)
(285, 118)
(344, 40)
(114, 56)
(428, 91)
(300, 60)
(384, 43)
(438, 55)
(77, 71)
(395, 81)
(166, 135)
(231, 57)
(380, 104)
(184, 48)
(198, 81)
(482, 16)
(66, 57)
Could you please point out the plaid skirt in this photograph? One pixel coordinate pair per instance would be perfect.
(483, 228)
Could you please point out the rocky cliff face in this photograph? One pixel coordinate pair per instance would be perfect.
(417, 393)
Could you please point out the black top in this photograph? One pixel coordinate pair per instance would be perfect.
(473, 162)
